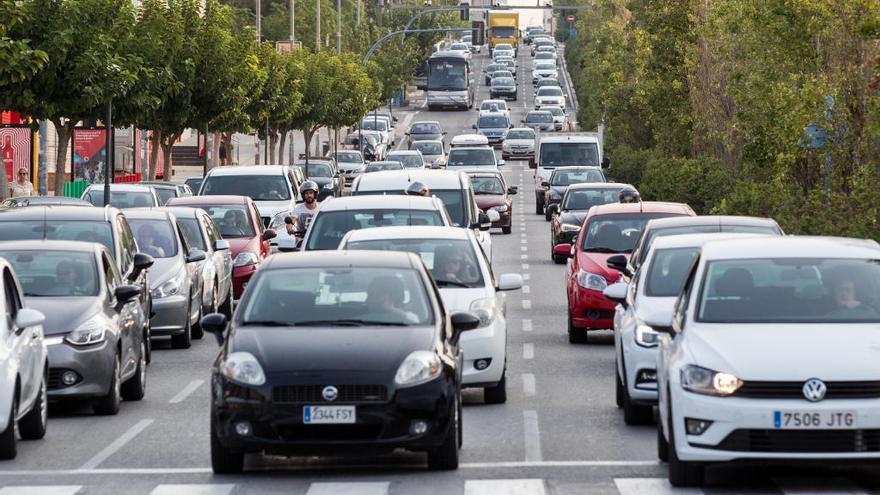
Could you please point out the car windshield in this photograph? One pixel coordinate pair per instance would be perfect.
(425, 128)
(502, 81)
(192, 233)
(539, 118)
(542, 55)
(490, 121)
(380, 166)
(521, 134)
(316, 169)
(328, 228)
(374, 125)
(616, 233)
(67, 230)
(121, 199)
(567, 178)
(584, 199)
(336, 297)
(549, 92)
(701, 229)
(487, 185)
(548, 82)
(790, 290)
(428, 148)
(452, 263)
(545, 67)
(232, 220)
(668, 270)
(459, 47)
(497, 105)
(491, 68)
(471, 157)
(555, 111)
(574, 154)
(54, 273)
(154, 237)
(348, 157)
(257, 187)
(164, 193)
(408, 160)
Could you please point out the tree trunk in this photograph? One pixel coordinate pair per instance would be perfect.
(273, 142)
(167, 144)
(282, 141)
(155, 140)
(64, 130)
(227, 141)
(307, 137)
(215, 150)
(292, 152)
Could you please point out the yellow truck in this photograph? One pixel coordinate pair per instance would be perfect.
(503, 27)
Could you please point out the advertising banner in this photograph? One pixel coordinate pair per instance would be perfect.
(15, 148)
(89, 154)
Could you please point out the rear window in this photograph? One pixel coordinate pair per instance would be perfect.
(54, 273)
(257, 187)
(408, 160)
(328, 228)
(67, 230)
(121, 199)
(471, 157)
(428, 148)
(425, 128)
(492, 120)
(549, 92)
(154, 237)
(539, 117)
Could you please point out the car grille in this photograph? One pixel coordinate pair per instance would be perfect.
(801, 441)
(306, 394)
(330, 433)
(794, 390)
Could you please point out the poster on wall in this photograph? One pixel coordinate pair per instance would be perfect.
(89, 154)
(15, 148)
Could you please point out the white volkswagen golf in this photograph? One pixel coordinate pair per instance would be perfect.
(466, 283)
(772, 353)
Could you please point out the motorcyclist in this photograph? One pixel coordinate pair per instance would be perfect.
(304, 212)
(418, 189)
(629, 195)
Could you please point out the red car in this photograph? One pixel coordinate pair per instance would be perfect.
(492, 193)
(239, 222)
(608, 230)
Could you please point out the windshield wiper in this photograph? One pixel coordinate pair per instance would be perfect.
(351, 322)
(266, 323)
(448, 283)
(601, 250)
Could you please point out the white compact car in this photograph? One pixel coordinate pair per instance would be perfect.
(544, 70)
(549, 96)
(24, 370)
(464, 278)
(649, 295)
(519, 143)
(771, 354)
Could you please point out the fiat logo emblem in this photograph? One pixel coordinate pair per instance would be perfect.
(330, 393)
(814, 390)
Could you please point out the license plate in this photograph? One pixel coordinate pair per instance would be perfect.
(316, 415)
(815, 420)
(519, 151)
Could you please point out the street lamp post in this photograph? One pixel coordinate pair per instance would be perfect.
(339, 27)
(108, 152)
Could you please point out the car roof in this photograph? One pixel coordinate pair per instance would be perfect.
(467, 148)
(522, 129)
(426, 122)
(570, 168)
(791, 246)
(384, 201)
(408, 232)
(122, 187)
(400, 179)
(404, 152)
(159, 184)
(598, 185)
(51, 245)
(57, 212)
(348, 259)
(470, 137)
(643, 207)
(668, 223)
(224, 199)
(538, 111)
(182, 211)
(249, 170)
(698, 239)
(490, 113)
(447, 53)
(148, 213)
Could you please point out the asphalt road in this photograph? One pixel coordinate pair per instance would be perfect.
(559, 432)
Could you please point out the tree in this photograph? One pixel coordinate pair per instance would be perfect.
(18, 60)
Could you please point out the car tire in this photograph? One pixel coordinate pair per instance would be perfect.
(136, 387)
(618, 389)
(223, 460)
(226, 307)
(635, 414)
(498, 393)
(558, 259)
(681, 473)
(33, 425)
(547, 215)
(507, 230)
(662, 444)
(8, 448)
(108, 405)
(445, 457)
(539, 206)
(149, 344)
(197, 330)
(576, 335)
(183, 340)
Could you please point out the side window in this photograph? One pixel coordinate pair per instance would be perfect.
(210, 229)
(260, 225)
(111, 275)
(127, 244)
(10, 291)
(181, 240)
(679, 314)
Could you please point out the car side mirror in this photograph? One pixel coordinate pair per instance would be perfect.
(606, 162)
(462, 322)
(221, 245)
(195, 255)
(509, 281)
(501, 162)
(533, 163)
(474, 126)
(27, 318)
(545, 184)
(618, 262)
(616, 293)
(661, 321)
(512, 190)
(141, 262)
(215, 323)
(126, 293)
(562, 250)
(268, 234)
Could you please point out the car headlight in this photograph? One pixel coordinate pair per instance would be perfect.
(646, 336)
(418, 368)
(591, 281)
(169, 287)
(485, 309)
(245, 258)
(91, 331)
(708, 382)
(329, 185)
(569, 227)
(244, 368)
(499, 208)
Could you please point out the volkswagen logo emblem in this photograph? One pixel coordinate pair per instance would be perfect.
(814, 390)
(330, 393)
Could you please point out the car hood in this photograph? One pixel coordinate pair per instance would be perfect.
(486, 201)
(752, 351)
(164, 269)
(573, 217)
(272, 208)
(492, 131)
(64, 314)
(597, 263)
(519, 142)
(351, 166)
(459, 298)
(239, 244)
(558, 190)
(331, 349)
(321, 181)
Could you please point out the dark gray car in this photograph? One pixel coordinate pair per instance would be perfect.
(167, 190)
(96, 349)
(425, 129)
(176, 282)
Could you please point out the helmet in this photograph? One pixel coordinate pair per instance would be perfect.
(418, 189)
(309, 185)
(629, 195)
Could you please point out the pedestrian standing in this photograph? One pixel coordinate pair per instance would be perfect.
(22, 187)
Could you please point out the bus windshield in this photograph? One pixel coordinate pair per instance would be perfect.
(447, 75)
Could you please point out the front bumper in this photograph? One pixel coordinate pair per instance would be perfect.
(278, 428)
(170, 315)
(502, 93)
(589, 308)
(241, 275)
(517, 152)
(93, 365)
(639, 364)
(489, 342)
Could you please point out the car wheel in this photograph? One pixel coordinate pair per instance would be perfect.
(108, 405)
(8, 449)
(547, 215)
(662, 444)
(618, 389)
(149, 344)
(223, 460)
(197, 331)
(184, 340)
(576, 335)
(445, 457)
(136, 386)
(635, 414)
(498, 393)
(33, 425)
(681, 473)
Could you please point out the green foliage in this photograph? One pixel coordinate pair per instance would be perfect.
(700, 183)
(18, 61)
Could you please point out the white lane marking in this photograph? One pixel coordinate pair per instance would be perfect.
(526, 289)
(41, 490)
(527, 304)
(523, 248)
(116, 444)
(523, 241)
(352, 488)
(527, 325)
(532, 436)
(507, 487)
(651, 486)
(818, 486)
(525, 266)
(193, 489)
(524, 256)
(528, 351)
(526, 276)
(528, 383)
(187, 390)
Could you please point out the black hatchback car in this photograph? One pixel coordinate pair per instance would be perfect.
(331, 354)
(325, 173)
